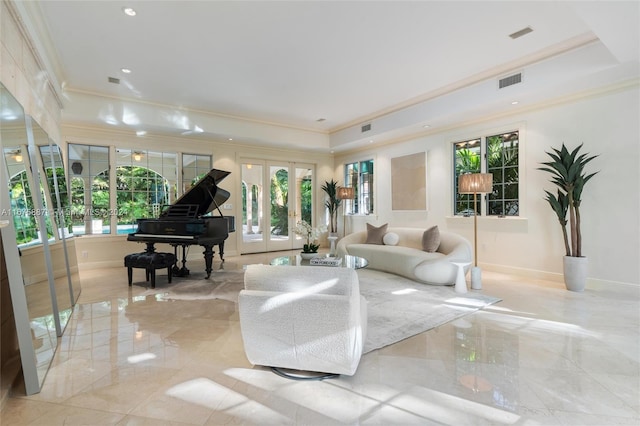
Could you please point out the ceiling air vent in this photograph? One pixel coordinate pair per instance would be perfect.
(510, 81)
(366, 127)
(114, 80)
(524, 31)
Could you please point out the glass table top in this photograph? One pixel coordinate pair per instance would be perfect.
(348, 261)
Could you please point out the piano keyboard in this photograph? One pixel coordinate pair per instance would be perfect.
(179, 237)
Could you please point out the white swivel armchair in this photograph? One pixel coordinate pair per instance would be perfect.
(308, 318)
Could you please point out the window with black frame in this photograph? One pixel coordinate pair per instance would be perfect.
(501, 155)
(467, 160)
(503, 163)
(359, 176)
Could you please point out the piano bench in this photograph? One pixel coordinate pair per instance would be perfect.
(150, 262)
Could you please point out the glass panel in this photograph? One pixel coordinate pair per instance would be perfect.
(89, 189)
(144, 179)
(466, 160)
(304, 194)
(57, 183)
(304, 198)
(28, 279)
(359, 176)
(194, 167)
(252, 193)
(62, 290)
(366, 187)
(279, 184)
(502, 162)
(351, 180)
(26, 227)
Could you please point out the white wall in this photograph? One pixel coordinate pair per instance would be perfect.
(607, 124)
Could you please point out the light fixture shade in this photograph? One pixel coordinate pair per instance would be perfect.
(475, 183)
(346, 193)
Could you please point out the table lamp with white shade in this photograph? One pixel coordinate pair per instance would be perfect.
(475, 183)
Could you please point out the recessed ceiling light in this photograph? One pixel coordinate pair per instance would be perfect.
(370, 140)
(230, 139)
(514, 103)
(126, 70)
(129, 11)
(141, 132)
(426, 126)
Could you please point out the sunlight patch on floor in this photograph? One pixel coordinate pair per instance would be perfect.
(405, 291)
(134, 359)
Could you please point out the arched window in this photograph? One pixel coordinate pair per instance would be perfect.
(140, 193)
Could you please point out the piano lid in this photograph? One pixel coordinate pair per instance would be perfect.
(205, 193)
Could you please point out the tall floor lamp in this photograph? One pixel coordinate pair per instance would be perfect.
(475, 183)
(345, 193)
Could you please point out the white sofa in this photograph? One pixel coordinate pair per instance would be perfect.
(407, 257)
(310, 318)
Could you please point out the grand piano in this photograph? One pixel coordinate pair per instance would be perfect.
(187, 222)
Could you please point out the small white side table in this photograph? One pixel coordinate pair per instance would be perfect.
(332, 250)
(461, 283)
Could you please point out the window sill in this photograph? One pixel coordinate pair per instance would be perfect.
(517, 224)
(497, 218)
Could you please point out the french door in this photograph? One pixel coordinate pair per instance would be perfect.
(275, 196)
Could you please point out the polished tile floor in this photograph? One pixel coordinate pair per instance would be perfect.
(542, 356)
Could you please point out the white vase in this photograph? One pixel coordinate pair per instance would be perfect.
(307, 256)
(575, 273)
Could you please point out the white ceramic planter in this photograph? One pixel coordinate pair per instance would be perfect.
(476, 278)
(575, 273)
(308, 256)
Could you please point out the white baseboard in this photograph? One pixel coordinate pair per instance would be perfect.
(545, 275)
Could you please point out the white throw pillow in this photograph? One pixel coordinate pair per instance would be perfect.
(391, 239)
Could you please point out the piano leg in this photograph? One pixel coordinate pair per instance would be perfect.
(221, 250)
(181, 272)
(177, 271)
(208, 258)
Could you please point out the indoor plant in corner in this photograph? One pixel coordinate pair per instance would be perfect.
(567, 170)
(332, 204)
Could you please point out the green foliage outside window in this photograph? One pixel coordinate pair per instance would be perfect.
(24, 211)
(467, 160)
(280, 203)
(21, 201)
(502, 161)
(140, 193)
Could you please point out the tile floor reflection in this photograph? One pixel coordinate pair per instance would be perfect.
(542, 356)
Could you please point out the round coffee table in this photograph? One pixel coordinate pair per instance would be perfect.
(348, 261)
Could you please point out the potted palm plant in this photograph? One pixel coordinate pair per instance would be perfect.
(332, 204)
(568, 174)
